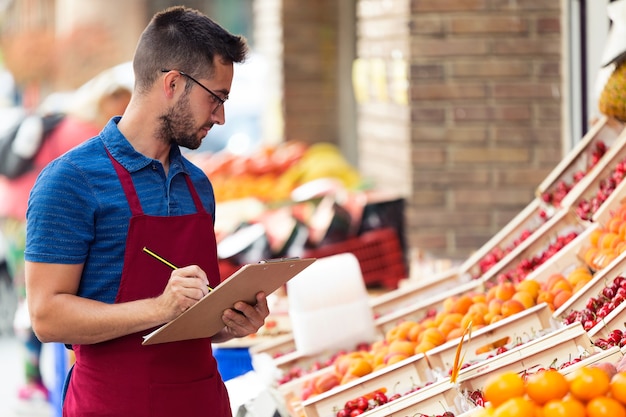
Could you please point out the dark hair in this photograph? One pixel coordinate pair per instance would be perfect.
(180, 38)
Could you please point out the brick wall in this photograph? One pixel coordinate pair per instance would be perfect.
(483, 114)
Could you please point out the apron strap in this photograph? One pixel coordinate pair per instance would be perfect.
(127, 185)
(131, 192)
(194, 195)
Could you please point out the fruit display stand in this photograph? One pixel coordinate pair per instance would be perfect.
(431, 400)
(400, 377)
(278, 346)
(614, 200)
(548, 240)
(415, 291)
(488, 339)
(593, 288)
(596, 187)
(419, 311)
(613, 321)
(565, 260)
(580, 161)
(563, 344)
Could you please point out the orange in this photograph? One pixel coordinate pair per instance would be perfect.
(546, 297)
(432, 335)
(515, 407)
(505, 291)
(605, 407)
(618, 387)
(590, 256)
(529, 285)
(359, 367)
(622, 230)
(463, 304)
(567, 407)
(454, 333)
(562, 284)
(594, 236)
(608, 240)
(561, 297)
(553, 279)
(392, 358)
(401, 346)
(544, 386)
(588, 382)
(495, 306)
(400, 331)
(510, 307)
(414, 332)
(614, 224)
(501, 387)
(525, 297)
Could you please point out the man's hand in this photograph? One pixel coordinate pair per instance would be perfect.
(244, 319)
(185, 287)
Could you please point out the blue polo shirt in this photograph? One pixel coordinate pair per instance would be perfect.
(78, 212)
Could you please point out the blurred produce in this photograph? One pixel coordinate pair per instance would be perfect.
(273, 172)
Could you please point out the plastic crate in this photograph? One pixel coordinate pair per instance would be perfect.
(379, 254)
(232, 362)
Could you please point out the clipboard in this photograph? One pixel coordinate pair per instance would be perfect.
(204, 319)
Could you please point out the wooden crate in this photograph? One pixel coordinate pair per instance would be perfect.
(589, 186)
(578, 159)
(612, 355)
(529, 219)
(399, 377)
(430, 400)
(289, 395)
(612, 203)
(504, 332)
(415, 291)
(565, 260)
(276, 347)
(419, 311)
(559, 345)
(592, 288)
(563, 222)
(616, 319)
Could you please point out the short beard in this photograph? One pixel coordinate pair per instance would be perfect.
(176, 125)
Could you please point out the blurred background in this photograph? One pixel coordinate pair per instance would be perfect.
(456, 112)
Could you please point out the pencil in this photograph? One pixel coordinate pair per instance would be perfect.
(165, 261)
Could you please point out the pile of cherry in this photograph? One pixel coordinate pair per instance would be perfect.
(615, 338)
(377, 398)
(600, 306)
(555, 196)
(586, 208)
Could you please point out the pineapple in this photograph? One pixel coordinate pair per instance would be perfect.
(613, 97)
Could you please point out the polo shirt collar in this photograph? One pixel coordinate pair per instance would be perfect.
(123, 152)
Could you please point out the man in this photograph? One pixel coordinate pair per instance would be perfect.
(92, 211)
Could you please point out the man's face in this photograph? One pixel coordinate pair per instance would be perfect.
(187, 122)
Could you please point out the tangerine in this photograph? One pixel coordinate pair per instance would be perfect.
(515, 407)
(501, 387)
(510, 307)
(595, 235)
(588, 382)
(544, 386)
(525, 297)
(566, 407)
(561, 297)
(605, 407)
(618, 387)
(505, 291)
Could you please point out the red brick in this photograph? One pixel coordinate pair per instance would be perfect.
(459, 155)
(426, 71)
(525, 5)
(491, 69)
(483, 114)
(449, 47)
(428, 115)
(419, 6)
(457, 134)
(452, 177)
(549, 25)
(488, 24)
(489, 197)
(447, 91)
(527, 90)
(543, 46)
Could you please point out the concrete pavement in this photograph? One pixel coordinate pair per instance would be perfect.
(12, 377)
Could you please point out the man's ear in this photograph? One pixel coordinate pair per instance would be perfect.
(170, 82)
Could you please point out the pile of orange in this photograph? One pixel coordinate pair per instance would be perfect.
(607, 242)
(559, 288)
(586, 392)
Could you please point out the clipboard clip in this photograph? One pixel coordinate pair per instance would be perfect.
(269, 261)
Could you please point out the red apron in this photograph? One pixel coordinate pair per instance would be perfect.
(121, 377)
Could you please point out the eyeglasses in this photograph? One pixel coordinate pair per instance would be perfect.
(216, 99)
